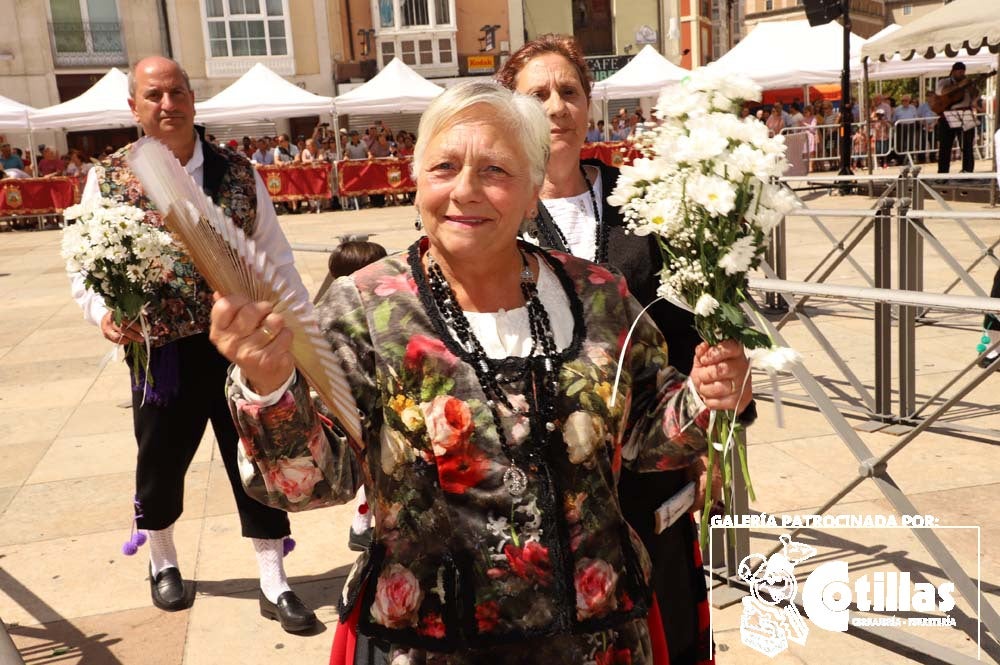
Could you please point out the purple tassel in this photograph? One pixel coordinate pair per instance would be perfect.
(136, 538)
(164, 365)
(287, 545)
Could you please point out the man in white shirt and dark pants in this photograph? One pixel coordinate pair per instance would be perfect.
(957, 121)
(188, 388)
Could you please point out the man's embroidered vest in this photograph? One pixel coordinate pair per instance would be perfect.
(183, 303)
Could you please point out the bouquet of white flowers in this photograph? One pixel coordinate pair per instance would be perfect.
(123, 260)
(704, 188)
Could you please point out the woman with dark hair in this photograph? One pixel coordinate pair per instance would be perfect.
(574, 216)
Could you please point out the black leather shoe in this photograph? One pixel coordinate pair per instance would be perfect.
(290, 611)
(987, 360)
(167, 590)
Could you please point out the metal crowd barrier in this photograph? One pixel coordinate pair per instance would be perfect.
(914, 141)
(897, 314)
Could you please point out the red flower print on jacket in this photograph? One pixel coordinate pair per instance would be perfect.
(420, 349)
(595, 583)
(613, 657)
(397, 597)
(449, 423)
(487, 616)
(530, 562)
(390, 284)
(462, 469)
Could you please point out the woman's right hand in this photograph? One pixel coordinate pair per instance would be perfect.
(251, 335)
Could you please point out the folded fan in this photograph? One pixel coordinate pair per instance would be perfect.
(232, 265)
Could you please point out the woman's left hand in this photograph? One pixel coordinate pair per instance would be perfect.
(721, 376)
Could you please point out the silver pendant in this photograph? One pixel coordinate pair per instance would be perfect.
(515, 480)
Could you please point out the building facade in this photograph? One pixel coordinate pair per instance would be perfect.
(906, 11)
(867, 16)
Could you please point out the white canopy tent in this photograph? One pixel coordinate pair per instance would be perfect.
(395, 89)
(13, 115)
(644, 76)
(787, 54)
(260, 94)
(104, 104)
(968, 24)
(896, 67)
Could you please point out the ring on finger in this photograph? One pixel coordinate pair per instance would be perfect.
(267, 332)
(732, 385)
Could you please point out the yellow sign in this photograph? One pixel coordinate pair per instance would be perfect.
(481, 64)
(14, 199)
(274, 184)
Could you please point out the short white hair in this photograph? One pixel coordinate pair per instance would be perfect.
(520, 115)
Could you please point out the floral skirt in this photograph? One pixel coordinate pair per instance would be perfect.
(639, 642)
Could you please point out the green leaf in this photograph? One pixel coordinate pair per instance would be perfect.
(382, 315)
(576, 387)
(731, 314)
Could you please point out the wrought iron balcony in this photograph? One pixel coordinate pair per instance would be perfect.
(76, 44)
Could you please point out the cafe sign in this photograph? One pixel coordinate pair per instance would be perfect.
(603, 66)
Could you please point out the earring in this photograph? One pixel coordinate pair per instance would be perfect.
(418, 223)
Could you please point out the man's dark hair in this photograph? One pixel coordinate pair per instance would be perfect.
(347, 257)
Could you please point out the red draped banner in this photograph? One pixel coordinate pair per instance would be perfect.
(297, 182)
(612, 153)
(37, 196)
(374, 176)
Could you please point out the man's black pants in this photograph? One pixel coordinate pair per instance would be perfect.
(168, 437)
(946, 135)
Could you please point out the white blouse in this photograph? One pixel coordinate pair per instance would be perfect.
(576, 218)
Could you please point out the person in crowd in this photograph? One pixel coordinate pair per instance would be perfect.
(50, 164)
(356, 149)
(954, 122)
(795, 117)
(574, 216)
(263, 154)
(775, 121)
(809, 124)
(904, 119)
(859, 147)
(282, 152)
(170, 416)
(493, 483)
(10, 160)
(310, 153)
(744, 112)
(298, 147)
(378, 150)
(405, 148)
(927, 129)
(77, 165)
(881, 130)
(593, 133)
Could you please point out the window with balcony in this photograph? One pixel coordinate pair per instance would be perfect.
(86, 32)
(421, 33)
(240, 33)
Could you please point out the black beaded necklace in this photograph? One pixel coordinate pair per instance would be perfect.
(544, 381)
(600, 231)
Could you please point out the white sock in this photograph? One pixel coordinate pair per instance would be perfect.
(361, 522)
(162, 553)
(273, 581)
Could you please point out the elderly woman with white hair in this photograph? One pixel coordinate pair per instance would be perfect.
(483, 370)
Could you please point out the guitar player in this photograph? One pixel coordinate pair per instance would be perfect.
(957, 120)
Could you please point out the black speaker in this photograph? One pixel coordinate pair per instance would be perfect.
(820, 12)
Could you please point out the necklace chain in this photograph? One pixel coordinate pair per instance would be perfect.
(543, 384)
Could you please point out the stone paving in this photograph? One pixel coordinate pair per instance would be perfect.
(68, 595)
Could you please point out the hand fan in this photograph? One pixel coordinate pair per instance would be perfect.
(232, 265)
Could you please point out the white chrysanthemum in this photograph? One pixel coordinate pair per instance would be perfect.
(737, 259)
(779, 198)
(774, 359)
(716, 195)
(677, 101)
(706, 305)
(766, 218)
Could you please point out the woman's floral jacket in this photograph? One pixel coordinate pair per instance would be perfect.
(459, 564)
